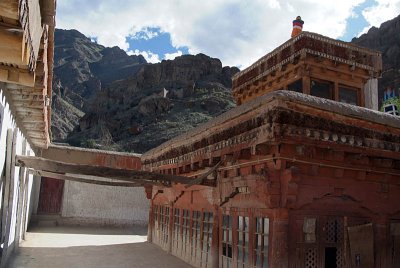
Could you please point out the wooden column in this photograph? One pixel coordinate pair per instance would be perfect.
(306, 85)
(25, 204)
(171, 226)
(151, 223)
(21, 189)
(215, 237)
(278, 250)
(8, 195)
(382, 243)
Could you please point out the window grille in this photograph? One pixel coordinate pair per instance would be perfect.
(227, 254)
(261, 243)
(176, 245)
(243, 242)
(206, 239)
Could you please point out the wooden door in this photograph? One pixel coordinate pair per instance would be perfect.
(50, 198)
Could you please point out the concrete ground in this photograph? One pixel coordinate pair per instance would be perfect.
(84, 247)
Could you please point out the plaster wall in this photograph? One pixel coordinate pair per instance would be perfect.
(104, 205)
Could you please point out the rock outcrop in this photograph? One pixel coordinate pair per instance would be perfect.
(157, 103)
(81, 69)
(386, 39)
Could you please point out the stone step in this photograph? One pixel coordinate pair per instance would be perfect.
(45, 220)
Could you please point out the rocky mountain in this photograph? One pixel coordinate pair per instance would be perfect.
(104, 98)
(386, 39)
(81, 69)
(156, 104)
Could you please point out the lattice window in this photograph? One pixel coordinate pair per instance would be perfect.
(340, 258)
(334, 231)
(185, 234)
(261, 237)
(310, 260)
(164, 226)
(176, 245)
(243, 224)
(226, 242)
(207, 226)
(196, 241)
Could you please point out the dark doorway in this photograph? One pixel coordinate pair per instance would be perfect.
(50, 198)
(330, 257)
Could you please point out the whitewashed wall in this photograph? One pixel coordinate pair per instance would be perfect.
(104, 205)
(7, 122)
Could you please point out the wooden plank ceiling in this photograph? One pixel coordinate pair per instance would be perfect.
(26, 63)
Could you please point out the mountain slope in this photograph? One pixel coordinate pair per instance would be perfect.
(81, 69)
(157, 103)
(386, 39)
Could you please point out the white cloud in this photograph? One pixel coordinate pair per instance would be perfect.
(148, 55)
(145, 34)
(171, 56)
(384, 10)
(236, 31)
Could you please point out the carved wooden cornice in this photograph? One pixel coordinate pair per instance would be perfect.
(311, 44)
(275, 120)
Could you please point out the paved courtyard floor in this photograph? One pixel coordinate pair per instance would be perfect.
(81, 247)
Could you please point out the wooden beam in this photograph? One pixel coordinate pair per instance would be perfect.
(9, 9)
(37, 134)
(19, 76)
(11, 46)
(200, 180)
(29, 105)
(28, 97)
(43, 164)
(71, 177)
(22, 110)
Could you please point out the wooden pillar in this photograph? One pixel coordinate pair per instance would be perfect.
(8, 194)
(382, 243)
(25, 205)
(151, 224)
(215, 238)
(279, 240)
(171, 226)
(20, 211)
(306, 85)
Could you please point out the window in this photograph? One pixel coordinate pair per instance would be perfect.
(226, 258)
(195, 245)
(243, 242)
(206, 239)
(176, 232)
(261, 242)
(322, 89)
(348, 95)
(185, 233)
(296, 86)
(164, 226)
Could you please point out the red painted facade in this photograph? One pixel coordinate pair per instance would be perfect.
(302, 182)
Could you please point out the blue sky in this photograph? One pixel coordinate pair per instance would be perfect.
(236, 31)
(357, 22)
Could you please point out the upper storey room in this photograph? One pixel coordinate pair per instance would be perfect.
(316, 65)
